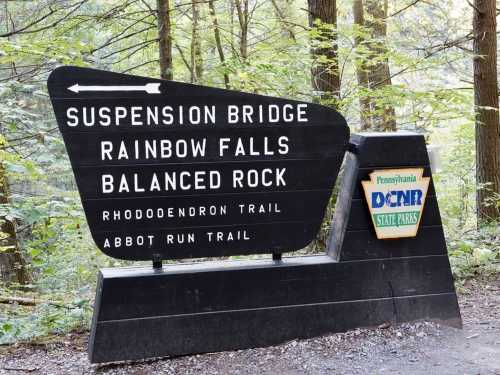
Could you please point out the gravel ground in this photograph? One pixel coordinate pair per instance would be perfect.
(416, 348)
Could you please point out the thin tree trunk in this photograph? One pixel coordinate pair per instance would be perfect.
(282, 16)
(12, 264)
(361, 69)
(165, 39)
(379, 75)
(231, 29)
(243, 18)
(196, 54)
(325, 69)
(486, 101)
(183, 57)
(218, 43)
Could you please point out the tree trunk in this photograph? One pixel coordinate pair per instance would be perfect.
(325, 67)
(165, 39)
(243, 18)
(361, 69)
(196, 54)
(281, 14)
(218, 42)
(232, 34)
(486, 101)
(379, 75)
(12, 265)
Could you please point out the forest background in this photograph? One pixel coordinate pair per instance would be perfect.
(428, 66)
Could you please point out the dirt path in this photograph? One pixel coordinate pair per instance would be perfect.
(418, 348)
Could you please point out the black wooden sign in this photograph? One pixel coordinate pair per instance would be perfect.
(184, 171)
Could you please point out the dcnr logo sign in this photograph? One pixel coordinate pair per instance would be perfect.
(396, 200)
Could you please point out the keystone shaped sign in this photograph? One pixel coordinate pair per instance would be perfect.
(173, 170)
(396, 200)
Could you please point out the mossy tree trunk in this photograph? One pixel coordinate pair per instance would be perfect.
(165, 39)
(486, 102)
(361, 68)
(12, 264)
(379, 75)
(325, 74)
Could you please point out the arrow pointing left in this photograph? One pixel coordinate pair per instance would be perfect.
(150, 88)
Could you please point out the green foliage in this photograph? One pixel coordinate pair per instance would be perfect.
(455, 182)
(472, 251)
(476, 253)
(430, 93)
(27, 323)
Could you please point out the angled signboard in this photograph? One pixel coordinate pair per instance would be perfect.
(176, 170)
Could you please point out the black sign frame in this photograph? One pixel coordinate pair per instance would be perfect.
(170, 170)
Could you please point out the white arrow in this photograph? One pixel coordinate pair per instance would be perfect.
(150, 88)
